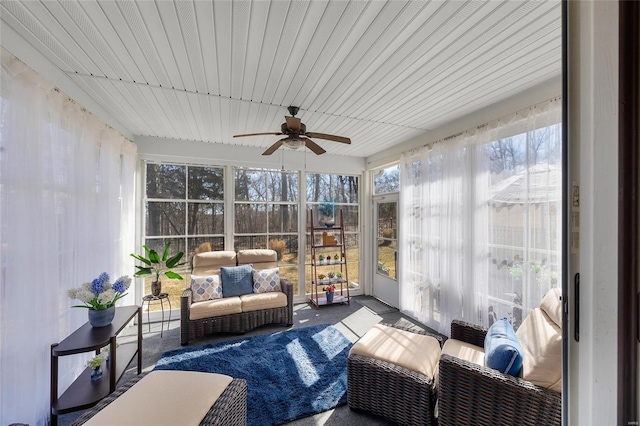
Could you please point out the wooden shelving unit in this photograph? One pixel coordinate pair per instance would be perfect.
(328, 241)
(83, 393)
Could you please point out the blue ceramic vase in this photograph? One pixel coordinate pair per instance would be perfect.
(102, 317)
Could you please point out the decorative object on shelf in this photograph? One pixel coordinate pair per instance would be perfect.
(339, 276)
(329, 239)
(332, 277)
(329, 291)
(321, 278)
(96, 374)
(101, 318)
(95, 363)
(327, 212)
(100, 296)
(156, 265)
(322, 260)
(336, 258)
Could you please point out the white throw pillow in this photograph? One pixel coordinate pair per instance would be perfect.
(266, 280)
(206, 288)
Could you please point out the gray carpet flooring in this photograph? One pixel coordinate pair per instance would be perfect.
(353, 320)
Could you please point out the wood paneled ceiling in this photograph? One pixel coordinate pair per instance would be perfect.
(379, 72)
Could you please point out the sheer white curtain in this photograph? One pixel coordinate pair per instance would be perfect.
(66, 215)
(480, 221)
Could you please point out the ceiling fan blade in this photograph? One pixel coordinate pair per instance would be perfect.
(314, 146)
(293, 123)
(273, 148)
(334, 138)
(257, 134)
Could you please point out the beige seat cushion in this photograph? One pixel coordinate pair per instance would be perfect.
(415, 352)
(165, 398)
(461, 350)
(464, 350)
(215, 308)
(259, 258)
(541, 342)
(258, 301)
(209, 263)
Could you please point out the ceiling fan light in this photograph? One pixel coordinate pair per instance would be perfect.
(293, 144)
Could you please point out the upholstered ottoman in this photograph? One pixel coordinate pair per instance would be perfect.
(390, 373)
(170, 397)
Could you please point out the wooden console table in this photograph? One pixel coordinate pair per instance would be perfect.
(83, 393)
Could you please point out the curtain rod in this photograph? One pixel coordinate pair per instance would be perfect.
(480, 126)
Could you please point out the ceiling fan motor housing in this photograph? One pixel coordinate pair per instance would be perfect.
(285, 129)
(293, 110)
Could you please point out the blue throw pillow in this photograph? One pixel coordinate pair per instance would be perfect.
(501, 348)
(236, 280)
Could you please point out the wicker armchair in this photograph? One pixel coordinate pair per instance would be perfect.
(470, 393)
(388, 390)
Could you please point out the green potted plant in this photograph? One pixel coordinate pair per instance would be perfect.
(336, 258)
(321, 259)
(321, 278)
(95, 363)
(332, 277)
(339, 276)
(156, 265)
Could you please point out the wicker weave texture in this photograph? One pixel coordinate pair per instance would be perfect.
(393, 392)
(230, 409)
(235, 323)
(388, 390)
(467, 332)
(478, 395)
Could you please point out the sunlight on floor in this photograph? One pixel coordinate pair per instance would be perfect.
(322, 418)
(358, 323)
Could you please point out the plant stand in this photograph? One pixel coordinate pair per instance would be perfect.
(328, 241)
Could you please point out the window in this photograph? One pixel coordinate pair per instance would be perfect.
(481, 221)
(185, 206)
(327, 195)
(386, 181)
(266, 216)
(524, 219)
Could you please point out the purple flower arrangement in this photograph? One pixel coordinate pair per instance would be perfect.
(100, 293)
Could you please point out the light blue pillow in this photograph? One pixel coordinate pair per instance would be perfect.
(236, 280)
(501, 348)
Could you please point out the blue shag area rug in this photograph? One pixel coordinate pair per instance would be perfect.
(290, 374)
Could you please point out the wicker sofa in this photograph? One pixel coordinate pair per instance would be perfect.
(198, 319)
(471, 393)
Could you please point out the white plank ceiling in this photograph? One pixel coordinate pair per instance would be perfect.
(378, 72)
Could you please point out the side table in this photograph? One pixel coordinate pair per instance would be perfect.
(83, 393)
(161, 297)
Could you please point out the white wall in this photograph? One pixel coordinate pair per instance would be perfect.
(593, 94)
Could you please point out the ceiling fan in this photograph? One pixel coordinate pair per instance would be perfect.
(297, 135)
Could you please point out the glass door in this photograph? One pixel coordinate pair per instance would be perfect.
(385, 281)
